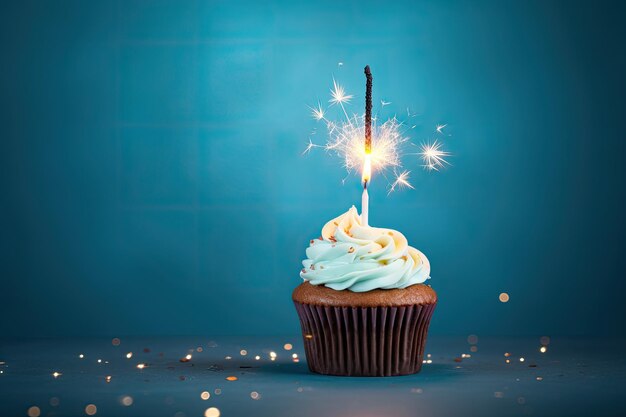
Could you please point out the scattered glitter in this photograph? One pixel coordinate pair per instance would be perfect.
(465, 355)
(255, 395)
(116, 341)
(474, 349)
(521, 359)
(99, 360)
(521, 400)
(56, 374)
(545, 340)
(472, 339)
(539, 378)
(218, 391)
(308, 336)
(543, 349)
(507, 354)
(273, 355)
(91, 409)
(127, 400)
(54, 401)
(243, 352)
(199, 349)
(295, 355)
(212, 412)
(498, 394)
(508, 361)
(34, 411)
(129, 355)
(257, 357)
(504, 297)
(141, 365)
(187, 358)
(108, 378)
(231, 378)
(288, 346)
(428, 355)
(81, 356)
(228, 358)
(417, 390)
(205, 395)
(296, 360)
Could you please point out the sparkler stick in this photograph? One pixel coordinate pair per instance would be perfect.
(367, 159)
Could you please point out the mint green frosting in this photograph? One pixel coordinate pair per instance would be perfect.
(362, 258)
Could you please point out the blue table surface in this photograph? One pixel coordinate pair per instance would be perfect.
(574, 377)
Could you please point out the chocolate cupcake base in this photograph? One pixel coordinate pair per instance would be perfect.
(378, 333)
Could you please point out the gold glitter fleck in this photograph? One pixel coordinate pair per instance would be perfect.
(296, 360)
(129, 355)
(539, 378)
(257, 357)
(34, 411)
(205, 395)
(243, 352)
(127, 401)
(504, 297)
(228, 358)
(543, 349)
(91, 409)
(308, 336)
(508, 361)
(295, 355)
(99, 360)
(255, 395)
(507, 354)
(351, 250)
(212, 412)
(521, 359)
(288, 346)
(141, 365)
(272, 354)
(107, 378)
(81, 356)
(116, 341)
(56, 374)
(231, 378)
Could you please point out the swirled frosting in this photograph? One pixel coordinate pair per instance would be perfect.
(361, 258)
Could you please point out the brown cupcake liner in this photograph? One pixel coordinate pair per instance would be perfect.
(364, 341)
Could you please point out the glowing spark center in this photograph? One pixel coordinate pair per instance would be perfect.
(433, 156)
(339, 94)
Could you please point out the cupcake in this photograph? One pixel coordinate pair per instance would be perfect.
(363, 307)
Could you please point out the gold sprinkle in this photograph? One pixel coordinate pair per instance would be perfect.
(129, 355)
(243, 352)
(257, 357)
(91, 409)
(212, 412)
(390, 233)
(141, 365)
(108, 378)
(205, 395)
(34, 411)
(56, 374)
(351, 250)
(81, 356)
(231, 378)
(543, 349)
(507, 354)
(504, 297)
(308, 336)
(295, 355)
(539, 378)
(272, 354)
(288, 346)
(127, 400)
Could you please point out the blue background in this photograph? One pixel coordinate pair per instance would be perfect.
(153, 182)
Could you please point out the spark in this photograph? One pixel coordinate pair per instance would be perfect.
(385, 103)
(401, 181)
(339, 95)
(440, 128)
(433, 156)
(310, 146)
(340, 64)
(317, 112)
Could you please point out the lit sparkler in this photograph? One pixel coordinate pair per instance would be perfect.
(367, 146)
